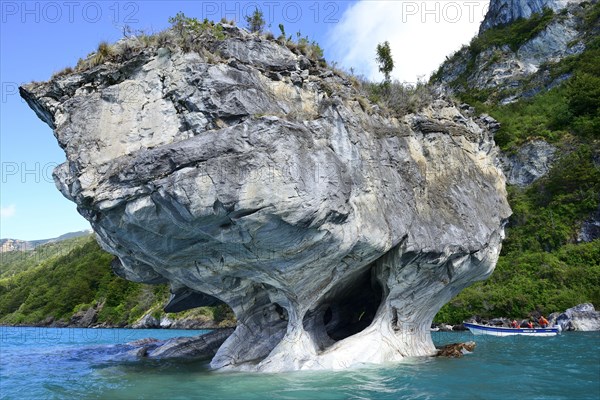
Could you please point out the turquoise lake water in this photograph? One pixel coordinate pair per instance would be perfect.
(55, 363)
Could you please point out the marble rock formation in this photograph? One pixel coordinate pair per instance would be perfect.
(502, 12)
(532, 161)
(582, 317)
(519, 70)
(258, 178)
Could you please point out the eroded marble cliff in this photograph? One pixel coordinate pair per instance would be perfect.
(520, 65)
(502, 12)
(255, 177)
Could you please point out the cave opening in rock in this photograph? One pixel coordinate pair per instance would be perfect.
(346, 310)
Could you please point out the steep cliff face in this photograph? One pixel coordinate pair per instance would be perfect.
(502, 12)
(539, 78)
(254, 177)
(524, 49)
(508, 62)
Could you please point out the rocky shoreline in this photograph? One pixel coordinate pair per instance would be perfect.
(183, 325)
(582, 317)
(88, 319)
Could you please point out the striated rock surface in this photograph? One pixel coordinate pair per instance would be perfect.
(196, 348)
(202, 347)
(531, 162)
(502, 12)
(256, 178)
(522, 69)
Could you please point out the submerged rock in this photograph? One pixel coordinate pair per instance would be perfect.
(456, 350)
(202, 347)
(334, 232)
(196, 348)
(142, 346)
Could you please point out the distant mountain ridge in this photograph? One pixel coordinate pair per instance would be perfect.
(26, 245)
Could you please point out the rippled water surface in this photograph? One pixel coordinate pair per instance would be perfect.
(82, 363)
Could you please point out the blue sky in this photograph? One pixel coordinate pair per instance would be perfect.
(40, 38)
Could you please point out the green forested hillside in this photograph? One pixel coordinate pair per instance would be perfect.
(59, 286)
(14, 262)
(543, 267)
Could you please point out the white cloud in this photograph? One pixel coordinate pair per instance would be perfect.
(8, 211)
(421, 34)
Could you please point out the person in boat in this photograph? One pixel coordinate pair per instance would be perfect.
(529, 324)
(543, 322)
(514, 324)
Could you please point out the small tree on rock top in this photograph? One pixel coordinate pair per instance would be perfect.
(385, 60)
(256, 21)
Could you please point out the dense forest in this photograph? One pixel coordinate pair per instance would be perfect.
(59, 280)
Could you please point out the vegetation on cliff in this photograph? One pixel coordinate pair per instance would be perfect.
(544, 266)
(15, 262)
(568, 111)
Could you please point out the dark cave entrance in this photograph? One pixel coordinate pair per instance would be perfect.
(346, 310)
